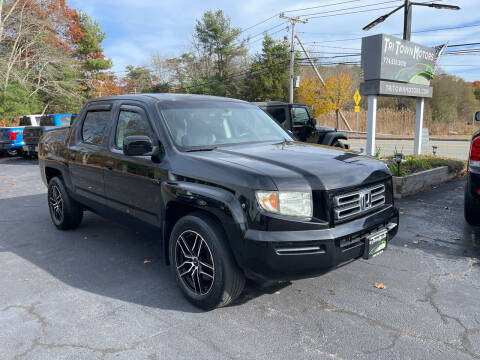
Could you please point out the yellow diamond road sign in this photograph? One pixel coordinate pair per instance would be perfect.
(357, 97)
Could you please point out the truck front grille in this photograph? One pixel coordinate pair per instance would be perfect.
(358, 202)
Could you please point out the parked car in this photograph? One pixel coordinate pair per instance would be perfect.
(232, 194)
(11, 140)
(472, 188)
(30, 120)
(32, 134)
(296, 118)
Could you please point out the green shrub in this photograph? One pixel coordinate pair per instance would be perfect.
(417, 163)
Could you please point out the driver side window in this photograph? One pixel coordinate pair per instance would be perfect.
(300, 116)
(130, 123)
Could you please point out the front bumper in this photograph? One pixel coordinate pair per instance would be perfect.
(30, 149)
(288, 255)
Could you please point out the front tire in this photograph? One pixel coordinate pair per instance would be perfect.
(338, 144)
(202, 263)
(471, 208)
(65, 212)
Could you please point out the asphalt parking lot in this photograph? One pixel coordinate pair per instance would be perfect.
(103, 292)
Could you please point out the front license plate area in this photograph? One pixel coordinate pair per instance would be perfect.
(375, 244)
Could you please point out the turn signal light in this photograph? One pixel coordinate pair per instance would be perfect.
(13, 136)
(475, 150)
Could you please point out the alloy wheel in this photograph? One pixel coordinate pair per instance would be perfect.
(55, 202)
(194, 262)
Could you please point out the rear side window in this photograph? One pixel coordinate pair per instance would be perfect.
(95, 127)
(65, 120)
(130, 123)
(278, 114)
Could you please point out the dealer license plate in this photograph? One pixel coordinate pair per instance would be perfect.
(375, 244)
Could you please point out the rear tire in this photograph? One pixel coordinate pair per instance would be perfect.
(12, 153)
(65, 212)
(202, 263)
(471, 208)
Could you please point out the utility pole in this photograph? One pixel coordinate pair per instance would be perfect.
(320, 78)
(293, 21)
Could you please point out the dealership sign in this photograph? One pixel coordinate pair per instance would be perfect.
(392, 66)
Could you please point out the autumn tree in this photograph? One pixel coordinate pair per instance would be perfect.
(476, 89)
(336, 93)
(35, 57)
(452, 99)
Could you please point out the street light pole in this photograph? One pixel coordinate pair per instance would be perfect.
(407, 20)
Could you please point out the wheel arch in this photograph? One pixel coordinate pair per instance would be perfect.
(333, 136)
(220, 205)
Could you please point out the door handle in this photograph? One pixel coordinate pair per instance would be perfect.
(109, 165)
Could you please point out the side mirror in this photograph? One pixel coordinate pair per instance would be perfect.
(158, 153)
(477, 116)
(137, 145)
(314, 122)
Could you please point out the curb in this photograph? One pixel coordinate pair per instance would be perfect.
(409, 185)
(410, 139)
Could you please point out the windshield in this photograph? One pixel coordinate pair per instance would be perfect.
(195, 124)
(24, 121)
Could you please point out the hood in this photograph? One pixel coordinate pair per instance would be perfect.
(300, 166)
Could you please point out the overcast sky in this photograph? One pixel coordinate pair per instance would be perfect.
(136, 29)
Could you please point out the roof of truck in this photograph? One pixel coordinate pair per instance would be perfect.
(168, 97)
(276, 103)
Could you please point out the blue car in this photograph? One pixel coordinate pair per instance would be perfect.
(11, 140)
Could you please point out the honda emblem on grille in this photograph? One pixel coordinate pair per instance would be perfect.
(366, 199)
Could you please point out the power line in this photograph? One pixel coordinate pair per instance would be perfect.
(415, 32)
(269, 34)
(351, 8)
(265, 31)
(352, 12)
(320, 6)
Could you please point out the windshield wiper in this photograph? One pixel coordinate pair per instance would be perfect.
(201, 148)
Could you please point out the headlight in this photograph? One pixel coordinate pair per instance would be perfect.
(291, 203)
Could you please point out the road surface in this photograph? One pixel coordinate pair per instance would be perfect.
(103, 292)
(453, 149)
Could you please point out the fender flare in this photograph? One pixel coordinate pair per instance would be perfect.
(333, 136)
(219, 202)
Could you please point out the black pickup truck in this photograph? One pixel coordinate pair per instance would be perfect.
(230, 192)
(32, 134)
(296, 118)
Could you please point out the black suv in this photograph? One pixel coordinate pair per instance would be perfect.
(231, 194)
(296, 118)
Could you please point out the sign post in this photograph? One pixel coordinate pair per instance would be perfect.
(357, 98)
(396, 67)
(417, 142)
(371, 124)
